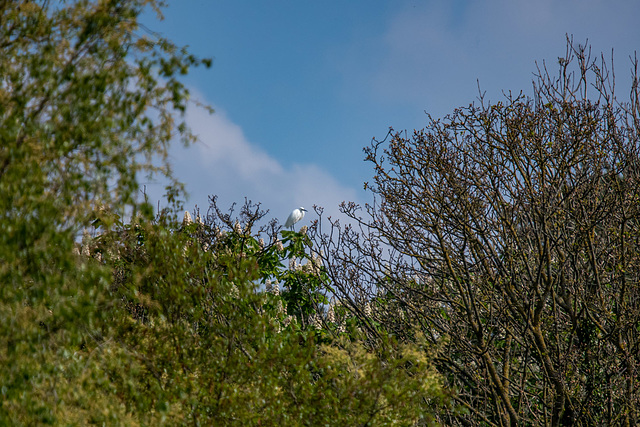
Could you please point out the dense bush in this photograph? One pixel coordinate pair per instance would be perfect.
(148, 320)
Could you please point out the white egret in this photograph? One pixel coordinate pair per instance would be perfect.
(295, 216)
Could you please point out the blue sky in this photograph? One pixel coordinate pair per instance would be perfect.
(300, 87)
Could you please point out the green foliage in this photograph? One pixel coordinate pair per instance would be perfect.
(304, 283)
(82, 112)
(148, 321)
(87, 99)
(186, 335)
(209, 347)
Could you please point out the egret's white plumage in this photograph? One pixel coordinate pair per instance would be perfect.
(295, 216)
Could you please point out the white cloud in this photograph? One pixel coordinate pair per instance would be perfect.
(222, 143)
(430, 55)
(224, 163)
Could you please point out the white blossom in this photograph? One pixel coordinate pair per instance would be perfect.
(367, 309)
(233, 291)
(279, 307)
(315, 321)
(275, 289)
(187, 218)
(331, 314)
(288, 320)
(316, 258)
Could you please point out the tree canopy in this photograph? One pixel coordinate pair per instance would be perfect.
(88, 101)
(148, 320)
(493, 281)
(509, 233)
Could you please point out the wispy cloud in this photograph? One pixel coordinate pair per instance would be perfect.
(224, 163)
(426, 57)
(430, 55)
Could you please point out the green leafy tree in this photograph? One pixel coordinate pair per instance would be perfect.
(148, 321)
(210, 345)
(88, 100)
(286, 259)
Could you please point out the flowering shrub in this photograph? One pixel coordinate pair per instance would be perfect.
(218, 335)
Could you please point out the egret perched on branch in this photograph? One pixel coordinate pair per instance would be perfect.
(295, 216)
